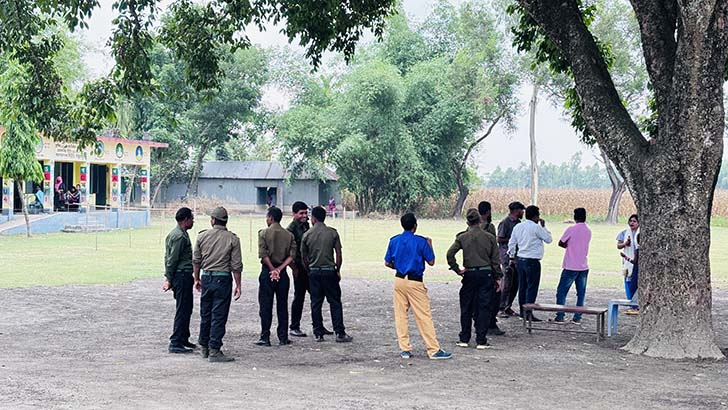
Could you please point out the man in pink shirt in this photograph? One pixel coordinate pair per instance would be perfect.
(575, 268)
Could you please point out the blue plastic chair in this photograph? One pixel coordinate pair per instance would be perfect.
(613, 312)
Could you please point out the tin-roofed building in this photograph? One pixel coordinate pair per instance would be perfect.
(256, 185)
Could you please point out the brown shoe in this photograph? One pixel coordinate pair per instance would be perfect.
(216, 356)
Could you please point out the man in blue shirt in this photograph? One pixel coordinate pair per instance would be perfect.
(407, 254)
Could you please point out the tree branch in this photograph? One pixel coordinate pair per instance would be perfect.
(658, 21)
(480, 139)
(606, 116)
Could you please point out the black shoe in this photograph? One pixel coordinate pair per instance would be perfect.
(179, 349)
(343, 338)
(189, 345)
(319, 338)
(297, 333)
(284, 342)
(496, 331)
(262, 342)
(328, 332)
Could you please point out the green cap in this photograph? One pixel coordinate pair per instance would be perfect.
(220, 214)
(472, 216)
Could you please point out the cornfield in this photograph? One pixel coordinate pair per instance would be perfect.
(563, 201)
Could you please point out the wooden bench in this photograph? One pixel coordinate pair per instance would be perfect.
(529, 308)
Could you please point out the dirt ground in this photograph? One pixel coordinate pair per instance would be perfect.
(105, 347)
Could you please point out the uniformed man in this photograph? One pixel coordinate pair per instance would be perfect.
(276, 250)
(318, 247)
(217, 256)
(482, 269)
(486, 222)
(178, 277)
(298, 226)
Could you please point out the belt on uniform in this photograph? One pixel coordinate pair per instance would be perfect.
(528, 259)
(322, 269)
(479, 268)
(215, 273)
(408, 276)
(184, 272)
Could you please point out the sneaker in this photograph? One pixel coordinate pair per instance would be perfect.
(483, 346)
(496, 331)
(462, 344)
(262, 342)
(216, 356)
(558, 321)
(405, 355)
(204, 352)
(441, 355)
(284, 342)
(328, 332)
(179, 349)
(576, 322)
(632, 312)
(297, 333)
(343, 338)
(189, 345)
(319, 338)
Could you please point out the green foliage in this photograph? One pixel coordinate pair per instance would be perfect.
(616, 34)
(17, 144)
(400, 126)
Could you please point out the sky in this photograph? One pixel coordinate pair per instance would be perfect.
(556, 142)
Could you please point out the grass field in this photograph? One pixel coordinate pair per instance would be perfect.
(121, 256)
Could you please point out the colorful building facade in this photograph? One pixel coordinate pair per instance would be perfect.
(96, 170)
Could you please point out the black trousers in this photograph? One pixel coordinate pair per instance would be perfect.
(182, 284)
(476, 295)
(217, 292)
(494, 308)
(267, 290)
(300, 287)
(325, 284)
(510, 286)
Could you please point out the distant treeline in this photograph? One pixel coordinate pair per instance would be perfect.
(570, 174)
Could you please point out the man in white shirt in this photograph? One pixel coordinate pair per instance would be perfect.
(526, 248)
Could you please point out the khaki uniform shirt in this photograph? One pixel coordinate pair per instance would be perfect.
(479, 250)
(276, 243)
(298, 229)
(488, 227)
(218, 250)
(318, 244)
(177, 253)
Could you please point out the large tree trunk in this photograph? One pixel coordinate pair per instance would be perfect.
(671, 178)
(532, 139)
(21, 192)
(618, 189)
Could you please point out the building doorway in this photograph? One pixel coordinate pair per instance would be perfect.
(98, 183)
(266, 197)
